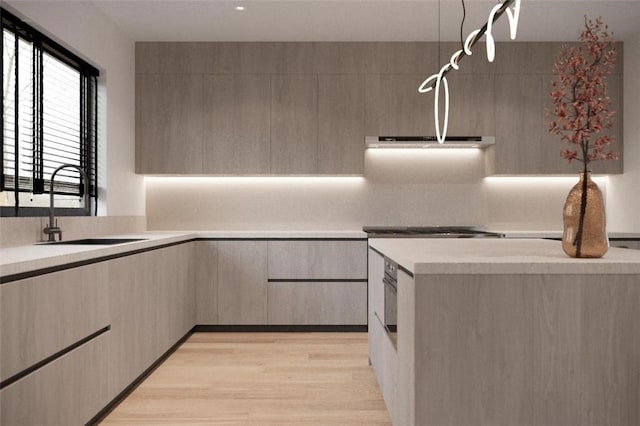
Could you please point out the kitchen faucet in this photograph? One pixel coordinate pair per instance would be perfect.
(52, 229)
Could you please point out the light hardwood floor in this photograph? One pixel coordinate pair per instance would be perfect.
(260, 379)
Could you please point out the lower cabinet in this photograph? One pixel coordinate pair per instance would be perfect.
(155, 307)
(68, 391)
(53, 334)
(242, 282)
(317, 303)
(281, 282)
(394, 366)
(72, 340)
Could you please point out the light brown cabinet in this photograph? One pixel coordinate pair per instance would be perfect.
(242, 282)
(393, 106)
(523, 143)
(341, 124)
(317, 282)
(237, 124)
(68, 391)
(43, 317)
(292, 259)
(153, 296)
(264, 108)
(317, 303)
(169, 123)
(294, 124)
(45, 314)
(206, 282)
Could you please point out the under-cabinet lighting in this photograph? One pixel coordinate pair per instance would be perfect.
(541, 180)
(413, 153)
(260, 180)
(240, 8)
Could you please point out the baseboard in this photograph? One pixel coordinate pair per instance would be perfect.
(224, 328)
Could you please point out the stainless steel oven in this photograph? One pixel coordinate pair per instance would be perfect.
(390, 281)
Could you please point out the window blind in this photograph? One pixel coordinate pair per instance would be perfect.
(49, 113)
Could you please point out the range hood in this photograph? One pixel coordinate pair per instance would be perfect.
(428, 142)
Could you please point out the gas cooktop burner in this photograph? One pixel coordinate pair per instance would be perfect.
(428, 232)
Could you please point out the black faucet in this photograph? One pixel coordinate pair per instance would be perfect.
(52, 229)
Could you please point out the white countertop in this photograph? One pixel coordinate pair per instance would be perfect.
(21, 259)
(500, 256)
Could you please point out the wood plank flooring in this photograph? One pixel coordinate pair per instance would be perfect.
(260, 379)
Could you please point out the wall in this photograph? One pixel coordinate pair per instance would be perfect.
(623, 200)
(85, 30)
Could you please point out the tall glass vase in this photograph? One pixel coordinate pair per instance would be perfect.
(585, 233)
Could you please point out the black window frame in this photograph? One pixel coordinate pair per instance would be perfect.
(38, 183)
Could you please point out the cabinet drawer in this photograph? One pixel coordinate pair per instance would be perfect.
(42, 315)
(317, 303)
(317, 260)
(68, 391)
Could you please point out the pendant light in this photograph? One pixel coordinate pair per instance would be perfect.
(440, 80)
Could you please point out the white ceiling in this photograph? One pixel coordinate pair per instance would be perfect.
(355, 20)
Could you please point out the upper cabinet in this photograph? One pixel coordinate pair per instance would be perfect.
(169, 123)
(294, 124)
(522, 85)
(304, 108)
(340, 123)
(237, 123)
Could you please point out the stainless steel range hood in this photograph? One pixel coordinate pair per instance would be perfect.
(428, 142)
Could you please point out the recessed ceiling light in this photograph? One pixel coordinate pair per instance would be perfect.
(240, 8)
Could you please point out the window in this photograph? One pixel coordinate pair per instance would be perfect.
(49, 118)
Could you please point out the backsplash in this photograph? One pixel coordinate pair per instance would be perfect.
(400, 187)
(16, 231)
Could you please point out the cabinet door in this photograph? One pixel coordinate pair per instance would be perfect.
(393, 106)
(471, 105)
(237, 124)
(133, 336)
(519, 125)
(294, 124)
(43, 315)
(317, 260)
(206, 270)
(169, 123)
(341, 124)
(242, 282)
(153, 306)
(317, 303)
(68, 391)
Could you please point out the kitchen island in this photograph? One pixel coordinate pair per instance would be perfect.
(506, 332)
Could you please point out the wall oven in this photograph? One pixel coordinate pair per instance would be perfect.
(390, 282)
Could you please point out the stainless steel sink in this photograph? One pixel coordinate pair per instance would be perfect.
(97, 241)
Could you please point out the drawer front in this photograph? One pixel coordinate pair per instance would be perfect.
(68, 391)
(317, 260)
(42, 315)
(317, 303)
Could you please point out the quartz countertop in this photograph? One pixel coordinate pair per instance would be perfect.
(32, 257)
(500, 256)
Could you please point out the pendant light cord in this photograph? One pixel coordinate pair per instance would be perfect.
(464, 15)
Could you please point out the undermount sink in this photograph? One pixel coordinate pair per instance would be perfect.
(98, 241)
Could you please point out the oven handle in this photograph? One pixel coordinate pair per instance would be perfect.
(390, 283)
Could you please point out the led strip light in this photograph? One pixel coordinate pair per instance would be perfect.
(440, 79)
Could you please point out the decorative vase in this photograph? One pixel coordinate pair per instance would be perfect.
(585, 233)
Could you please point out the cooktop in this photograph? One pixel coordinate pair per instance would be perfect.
(429, 232)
